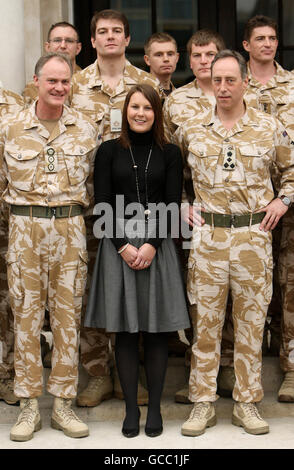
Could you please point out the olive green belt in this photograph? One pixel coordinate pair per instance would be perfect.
(231, 220)
(47, 212)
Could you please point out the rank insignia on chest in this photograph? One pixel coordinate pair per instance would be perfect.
(265, 104)
(51, 161)
(229, 153)
(115, 120)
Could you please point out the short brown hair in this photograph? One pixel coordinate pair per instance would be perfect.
(52, 55)
(158, 37)
(235, 55)
(62, 24)
(109, 15)
(257, 22)
(203, 37)
(153, 97)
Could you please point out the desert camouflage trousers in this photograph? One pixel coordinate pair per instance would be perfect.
(286, 276)
(46, 263)
(227, 345)
(240, 260)
(95, 353)
(6, 317)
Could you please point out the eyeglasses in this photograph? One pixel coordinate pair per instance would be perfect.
(66, 40)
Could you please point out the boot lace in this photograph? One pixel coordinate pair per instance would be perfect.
(94, 383)
(250, 410)
(199, 411)
(66, 413)
(27, 414)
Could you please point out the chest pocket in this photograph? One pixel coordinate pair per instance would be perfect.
(203, 160)
(257, 160)
(283, 100)
(22, 166)
(77, 161)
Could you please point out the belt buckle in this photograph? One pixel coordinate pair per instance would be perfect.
(232, 220)
(53, 211)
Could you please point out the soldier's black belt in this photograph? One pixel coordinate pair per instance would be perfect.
(47, 212)
(231, 220)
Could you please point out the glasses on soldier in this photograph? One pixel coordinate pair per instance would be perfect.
(66, 40)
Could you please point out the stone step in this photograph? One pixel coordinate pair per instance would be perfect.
(113, 410)
(177, 375)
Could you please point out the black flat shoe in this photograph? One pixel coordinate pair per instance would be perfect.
(153, 432)
(130, 432)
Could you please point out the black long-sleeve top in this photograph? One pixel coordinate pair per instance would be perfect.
(114, 175)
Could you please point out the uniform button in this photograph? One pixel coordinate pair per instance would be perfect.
(227, 140)
(227, 179)
(232, 199)
(259, 152)
(201, 153)
(19, 156)
(82, 151)
(261, 91)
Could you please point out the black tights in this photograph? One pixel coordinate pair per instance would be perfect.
(155, 364)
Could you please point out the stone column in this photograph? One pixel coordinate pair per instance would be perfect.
(33, 36)
(24, 28)
(12, 50)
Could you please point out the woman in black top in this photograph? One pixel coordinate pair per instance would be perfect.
(137, 284)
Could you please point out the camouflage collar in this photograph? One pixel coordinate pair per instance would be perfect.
(31, 120)
(281, 76)
(3, 98)
(194, 90)
(95, 80)
(130, 73)
(249, 118)
(209, 118)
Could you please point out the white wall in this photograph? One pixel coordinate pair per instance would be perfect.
(33, 36)
(12, 57)
(23, 31)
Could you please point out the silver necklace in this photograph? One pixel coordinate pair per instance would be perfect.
(147, 211)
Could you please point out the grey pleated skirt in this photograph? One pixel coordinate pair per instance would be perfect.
(122, 299)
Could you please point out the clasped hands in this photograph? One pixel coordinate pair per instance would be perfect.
(139, 258)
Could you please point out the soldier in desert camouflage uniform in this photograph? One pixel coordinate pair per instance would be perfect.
(196, 96)
(190, 100)
(271, 89)
(62, 37)
(10, 104)
(230, 151)
(99, 91)
(286, 278)
(161, 55)
(46, 157)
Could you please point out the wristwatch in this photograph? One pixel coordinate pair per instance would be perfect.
(286, 200)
